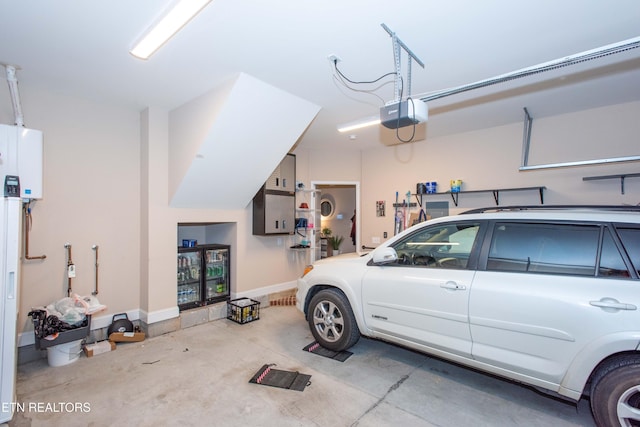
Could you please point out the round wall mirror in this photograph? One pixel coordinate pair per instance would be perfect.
(326, 208)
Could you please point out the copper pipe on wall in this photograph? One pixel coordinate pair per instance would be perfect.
(26, 208)
(95, 248)
(71, 269)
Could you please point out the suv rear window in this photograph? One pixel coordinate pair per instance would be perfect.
(544, 248)
(631, 239)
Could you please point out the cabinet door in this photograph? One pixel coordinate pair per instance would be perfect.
(274, 182)
(189, 269)
(288, 173)
(283, 177)
(216, 273)
(279, 214)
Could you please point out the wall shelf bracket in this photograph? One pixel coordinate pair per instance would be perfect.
(496, 194)
(621, 177)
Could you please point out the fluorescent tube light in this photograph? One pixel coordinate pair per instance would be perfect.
(358, 124)
(179, 15)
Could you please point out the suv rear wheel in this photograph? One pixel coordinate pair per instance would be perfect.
(615, 393)
(331, 320)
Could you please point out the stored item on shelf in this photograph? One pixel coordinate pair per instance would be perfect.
(456, 184)
(189, 243)
(431, 187)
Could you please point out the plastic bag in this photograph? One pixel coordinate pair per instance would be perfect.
(91, 304)
(67, 311)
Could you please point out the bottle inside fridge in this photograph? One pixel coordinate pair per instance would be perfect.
(216, 272)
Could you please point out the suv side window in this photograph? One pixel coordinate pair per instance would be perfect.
(439, 246)
(544, 248)
(631, 239)
(611, 261)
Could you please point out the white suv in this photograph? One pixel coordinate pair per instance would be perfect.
(548, 296)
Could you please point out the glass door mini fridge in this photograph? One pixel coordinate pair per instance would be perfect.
(203, 275)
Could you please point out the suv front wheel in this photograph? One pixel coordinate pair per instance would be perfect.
(331, 320)
(615, 393)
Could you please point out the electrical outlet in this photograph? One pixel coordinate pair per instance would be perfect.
(334, 58)
(375, 240)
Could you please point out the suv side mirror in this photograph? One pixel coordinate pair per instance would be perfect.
(384, 256)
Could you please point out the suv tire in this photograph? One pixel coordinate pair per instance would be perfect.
(331, 320)
(615, 393)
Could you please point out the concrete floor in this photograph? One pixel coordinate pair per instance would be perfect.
(200, 377)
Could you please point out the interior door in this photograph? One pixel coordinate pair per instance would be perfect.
(423, 298)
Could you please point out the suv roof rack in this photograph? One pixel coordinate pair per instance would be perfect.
(622, 208)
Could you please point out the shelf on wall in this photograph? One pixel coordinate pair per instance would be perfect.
(496, 193)
(621, 177)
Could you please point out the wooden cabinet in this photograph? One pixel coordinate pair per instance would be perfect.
(274, 204)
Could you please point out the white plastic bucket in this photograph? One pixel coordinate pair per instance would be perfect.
(64, 354)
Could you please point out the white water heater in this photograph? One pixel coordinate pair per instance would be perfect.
(21, 155)
(20, 166)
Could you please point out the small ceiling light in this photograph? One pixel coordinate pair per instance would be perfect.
(168, 25)
(359, 124)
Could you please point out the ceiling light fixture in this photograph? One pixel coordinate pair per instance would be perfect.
(167, 26)
(358, 124)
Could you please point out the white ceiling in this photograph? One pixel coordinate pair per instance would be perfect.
(81, 47)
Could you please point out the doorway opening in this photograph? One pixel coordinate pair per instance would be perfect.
(339, 211)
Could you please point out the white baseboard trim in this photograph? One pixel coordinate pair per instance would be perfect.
(254, 293)
(99, 322)
(159, 315)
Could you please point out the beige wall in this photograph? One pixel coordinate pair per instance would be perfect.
(491, 158)
(91, 196)
(106, 183)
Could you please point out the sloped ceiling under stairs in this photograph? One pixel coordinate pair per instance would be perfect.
(225, 144)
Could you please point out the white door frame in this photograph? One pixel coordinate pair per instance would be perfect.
(356, 184)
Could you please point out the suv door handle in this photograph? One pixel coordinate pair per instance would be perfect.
(453, 286)
(612, 304)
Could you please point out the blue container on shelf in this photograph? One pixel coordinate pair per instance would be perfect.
(455, 185)
(431, 187)
(189, 243)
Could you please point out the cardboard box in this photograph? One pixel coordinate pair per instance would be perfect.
(414, 218)
(126, 336)
(91, 350)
